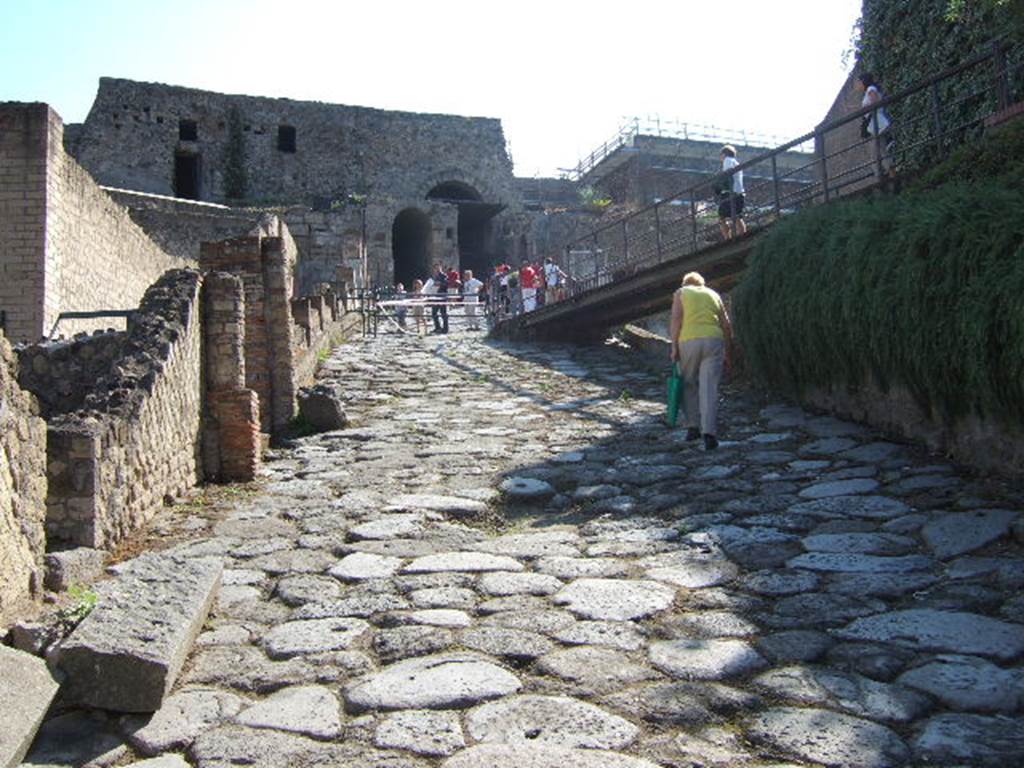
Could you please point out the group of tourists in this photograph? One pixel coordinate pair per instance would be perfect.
(532, 286)
(443, 287)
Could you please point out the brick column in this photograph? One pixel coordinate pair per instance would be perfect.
(277, 282)
(231, 431)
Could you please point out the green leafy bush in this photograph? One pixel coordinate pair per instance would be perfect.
(924, 289)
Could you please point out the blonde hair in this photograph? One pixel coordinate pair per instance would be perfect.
(693, 278)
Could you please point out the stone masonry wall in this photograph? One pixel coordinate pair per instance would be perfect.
(22, 492)
(67, 246)
(136, 440)
(61, 374)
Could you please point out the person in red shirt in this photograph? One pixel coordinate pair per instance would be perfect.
(528, 285)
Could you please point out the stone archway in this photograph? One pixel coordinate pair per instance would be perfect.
(475, 239)
(411, 237)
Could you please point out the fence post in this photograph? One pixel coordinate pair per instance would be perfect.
(1002, 83)
(657, 229)
(775, 187)
(819, 150)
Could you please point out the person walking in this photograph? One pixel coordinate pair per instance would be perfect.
(418, 313)
(877, 122)
(731, 198)
(701, 334)
(528, 283)
(471, 297)
(439, 299)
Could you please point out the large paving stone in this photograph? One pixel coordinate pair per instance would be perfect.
(181, 719)
(526, 489)
(296, 638)
(960, 532)
(971, 740)
(500, 584)
(26, 690)
(82, 565)
(423, 731)
(691, 569)
(455, 506)
(233, 745)
(880, 584)
(926, 629)
(794, 645)
(838, 562)
(871, 507)
(540, 756)
(705, 659)
(613, 634)
(582, 567)
(77, 738)
(530, 619)
(394, 526)
(127, 653)
(828, 738)
(967, 683)
(839, 488)
(847, 692)
(311, 710)
(515, 644)
(594, 669)
(532, 545)
(615, 599)
(360, 566)
(684, 704)
(446, 681)
(554, 720)
(859, 543)
(468, 562)
(405, 642)
(358, 605)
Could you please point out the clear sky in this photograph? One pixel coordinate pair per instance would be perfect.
(560, 74)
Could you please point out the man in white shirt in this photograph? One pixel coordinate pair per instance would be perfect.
(731, 199)
(471, 297)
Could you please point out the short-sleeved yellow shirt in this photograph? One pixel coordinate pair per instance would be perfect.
(702, 313)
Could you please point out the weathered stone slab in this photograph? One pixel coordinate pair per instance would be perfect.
(446, 681)
(859, 543)
(828, 738)
(127, 653)
(693, 570)
(395, 526)
(297, 638)
(971, 740)
(794, 645)
(613, 634)
(456, 506)
(839, 488)
(615, 599)
(594, 669)
(360, 566)
(26, 690)
(871, 507)
(423, 731)
(78, 738)
(872, 453)
(81, 565)
(829, 446)
(440, 617)
(967, 683)
(514, 644)
(881, 584)
(444, 597)
(837, 562)
(530, 619)
(780, 583)
(468, 562)
(404, 642)
(847, 692)
(526, 489)
(532, 545)
(960, 532)
(554, 720)
(705, 659)
(500, 584)
(534, 756)
(582, 567)
(182, 718)
(164, 761)
(311, 710)
(687, 703)
(925, 629)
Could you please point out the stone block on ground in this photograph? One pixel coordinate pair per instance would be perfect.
(26, 690)
(126, 655)
(974, 740)
(81, 565)
(321, 407)
(540, 756)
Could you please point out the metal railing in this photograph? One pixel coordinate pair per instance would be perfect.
(930, 119)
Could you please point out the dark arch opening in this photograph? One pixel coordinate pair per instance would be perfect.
(410, 246)
(475, 239)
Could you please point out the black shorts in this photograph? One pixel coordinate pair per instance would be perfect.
(730, 204)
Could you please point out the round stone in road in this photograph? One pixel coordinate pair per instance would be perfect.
(705, 659)
(446, 681)
(557, 720)
(615, 599)
(526, 489)
(540, 756)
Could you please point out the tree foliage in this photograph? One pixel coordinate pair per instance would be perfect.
(924, 290)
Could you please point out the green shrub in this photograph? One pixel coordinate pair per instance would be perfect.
(925, 290)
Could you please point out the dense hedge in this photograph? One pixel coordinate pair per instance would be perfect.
(924, 289)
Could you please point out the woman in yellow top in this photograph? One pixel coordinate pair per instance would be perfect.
(701, 346)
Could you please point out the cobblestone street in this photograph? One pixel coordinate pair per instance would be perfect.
(508, 561)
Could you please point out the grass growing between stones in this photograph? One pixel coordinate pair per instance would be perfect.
(924, 290)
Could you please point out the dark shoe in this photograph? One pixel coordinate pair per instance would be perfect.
(692, 433)
(710, 442)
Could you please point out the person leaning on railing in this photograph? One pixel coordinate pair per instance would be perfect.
(701, 345)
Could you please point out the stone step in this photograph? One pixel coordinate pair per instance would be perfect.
(26, 690)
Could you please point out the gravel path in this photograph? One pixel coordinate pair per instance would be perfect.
(509, 562)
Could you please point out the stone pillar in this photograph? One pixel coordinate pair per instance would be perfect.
(231, 431)
(277, 282)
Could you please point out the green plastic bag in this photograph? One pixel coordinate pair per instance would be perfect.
(675, 397)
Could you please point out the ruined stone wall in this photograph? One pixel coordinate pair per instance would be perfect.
(136, 440)
(68, 246)
(135, 131)
(61, 374)
(22, 492)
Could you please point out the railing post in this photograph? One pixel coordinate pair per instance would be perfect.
(876, 134)
(819, 150)
(775, 187)
(693, 220)
(657, 230)
(1002, 83)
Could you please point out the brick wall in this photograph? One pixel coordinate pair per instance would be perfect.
(135, 440)
(22, 493)
(67, 245)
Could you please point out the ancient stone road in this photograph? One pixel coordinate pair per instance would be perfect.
(509, 562)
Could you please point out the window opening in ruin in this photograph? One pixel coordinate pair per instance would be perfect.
(286, 138)
(188, 130)
(411, 246)
(186, 176)
(475, 239)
